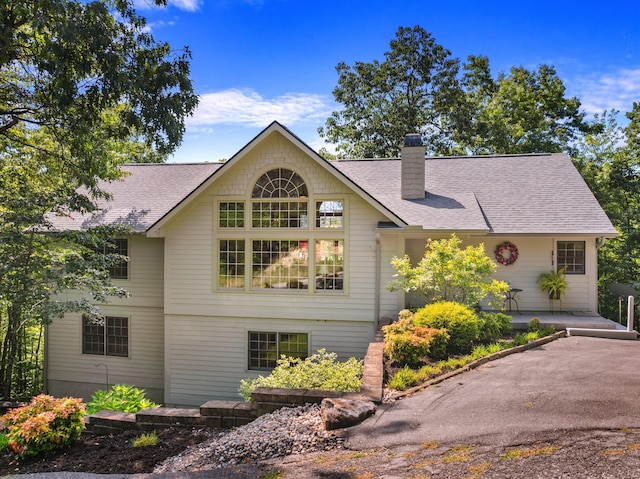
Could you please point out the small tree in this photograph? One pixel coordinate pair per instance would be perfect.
(449, 273)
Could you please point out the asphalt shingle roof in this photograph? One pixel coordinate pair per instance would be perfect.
(525, 194)
(143, 197)
(511, 194)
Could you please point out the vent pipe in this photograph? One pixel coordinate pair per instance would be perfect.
(412, 167)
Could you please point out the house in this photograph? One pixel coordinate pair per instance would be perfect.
(278, 251)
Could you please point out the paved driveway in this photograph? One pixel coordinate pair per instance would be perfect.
(571, 383)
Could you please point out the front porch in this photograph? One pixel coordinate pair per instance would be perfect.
(563, 320)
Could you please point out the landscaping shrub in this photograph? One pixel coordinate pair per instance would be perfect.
(319, 371)
(460, 321)
(406, 343)
(121, 397)
(493, 326)
(534, 325)
(404, 379)
(45, 424)
(4, 442)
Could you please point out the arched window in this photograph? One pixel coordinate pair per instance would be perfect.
(287, 205)
(280, 183)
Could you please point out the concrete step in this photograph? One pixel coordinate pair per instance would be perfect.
(603, 333)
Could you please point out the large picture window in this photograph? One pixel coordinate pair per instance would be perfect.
(273, 252)
(571, 256)
(281, 264)
(265, 348)
(109, 337)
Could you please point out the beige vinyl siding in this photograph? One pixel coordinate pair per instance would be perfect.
(191, 242)
(535, 257)
(207, 356)
(69, 372)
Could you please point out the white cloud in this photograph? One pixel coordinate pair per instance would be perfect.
(617, 90)
(246, 107)
(187, 5)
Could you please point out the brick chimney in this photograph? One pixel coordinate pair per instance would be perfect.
(412, 167)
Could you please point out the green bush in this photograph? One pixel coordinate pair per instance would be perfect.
(121, 397)
(319, 371)
(460, 321)
(534, 325)
(45, 424)
(493, 326)
(404, 379)
(406, 343)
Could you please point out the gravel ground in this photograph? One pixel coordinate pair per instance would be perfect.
(288, 431)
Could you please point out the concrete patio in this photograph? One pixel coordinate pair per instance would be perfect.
(564, 319)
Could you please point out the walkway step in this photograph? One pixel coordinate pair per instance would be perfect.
(603, 333)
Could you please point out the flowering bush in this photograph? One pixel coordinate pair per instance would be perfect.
(43, 425)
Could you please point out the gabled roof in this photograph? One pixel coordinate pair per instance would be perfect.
(508, 194)
(146, 194)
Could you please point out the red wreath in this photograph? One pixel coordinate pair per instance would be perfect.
(512, 253)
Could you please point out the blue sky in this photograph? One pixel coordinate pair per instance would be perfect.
(255, 61)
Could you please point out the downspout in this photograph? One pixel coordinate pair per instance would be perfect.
(377, 282)
(600, 242)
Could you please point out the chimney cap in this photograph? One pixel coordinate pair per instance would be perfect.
(413, 139)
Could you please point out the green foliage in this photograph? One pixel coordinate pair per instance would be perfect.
(522, 111)
(321, 370)
(553, 283)
(4, 441)
(144, 440)
(482, 350)
(406, 343)
(404, 379)
(609, 161)
(534, 325)
(44, 425)
(448, 273)
(524, 338)
(121, 397)
(85, 88)
(411, 91)
(460, 321)
(493, 326)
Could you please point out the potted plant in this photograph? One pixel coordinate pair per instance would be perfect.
(553, 283)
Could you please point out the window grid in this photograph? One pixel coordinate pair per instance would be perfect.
(120, 270)
(280, 183)
(232, 264)
(330, 264)
(115, 336)
(281, 264)
(571, 256)
(279, 214)
(231, 214)
(329, 214)
(265, 348)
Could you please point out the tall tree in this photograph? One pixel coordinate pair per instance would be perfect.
(419, 88)
(609, 161)
(409, 92)
(525, 111)
(84, 88)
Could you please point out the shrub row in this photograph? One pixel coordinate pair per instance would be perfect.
(441, 329)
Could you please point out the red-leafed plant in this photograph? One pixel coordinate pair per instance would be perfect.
(45, 424)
